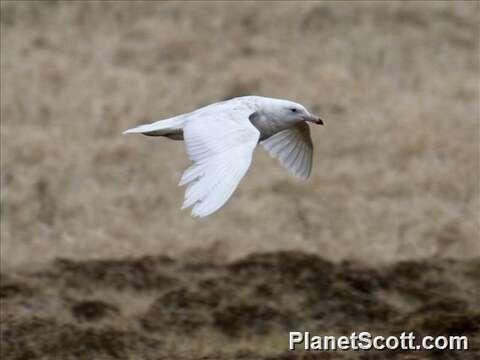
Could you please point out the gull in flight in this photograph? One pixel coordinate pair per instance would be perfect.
(220, 139)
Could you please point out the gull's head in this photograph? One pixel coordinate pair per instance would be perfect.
(289, 111)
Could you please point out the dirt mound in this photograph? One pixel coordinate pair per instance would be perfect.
(158, 307)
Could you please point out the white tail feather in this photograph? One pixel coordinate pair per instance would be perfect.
(162, 127)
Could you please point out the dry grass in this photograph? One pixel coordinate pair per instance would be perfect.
(396, 168)
(162, 308)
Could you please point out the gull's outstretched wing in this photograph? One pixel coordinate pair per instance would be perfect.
(220, 146)
(294, 148)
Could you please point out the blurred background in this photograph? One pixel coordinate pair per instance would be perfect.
(396, 168)
(395, 175)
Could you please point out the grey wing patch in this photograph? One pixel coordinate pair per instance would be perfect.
(254, 119)
(262, 125)
(293, 148)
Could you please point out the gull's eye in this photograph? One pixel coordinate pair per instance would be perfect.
(293, 110)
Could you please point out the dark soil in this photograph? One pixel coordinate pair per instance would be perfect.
(157, 307)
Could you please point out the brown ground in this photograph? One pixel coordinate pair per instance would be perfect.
(394, 191)
(158, 307)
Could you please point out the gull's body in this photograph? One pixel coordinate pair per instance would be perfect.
(220, 139)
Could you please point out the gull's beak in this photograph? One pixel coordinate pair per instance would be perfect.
(314, 119)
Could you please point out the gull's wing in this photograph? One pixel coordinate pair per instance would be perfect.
(221, 147)
(294, 148)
